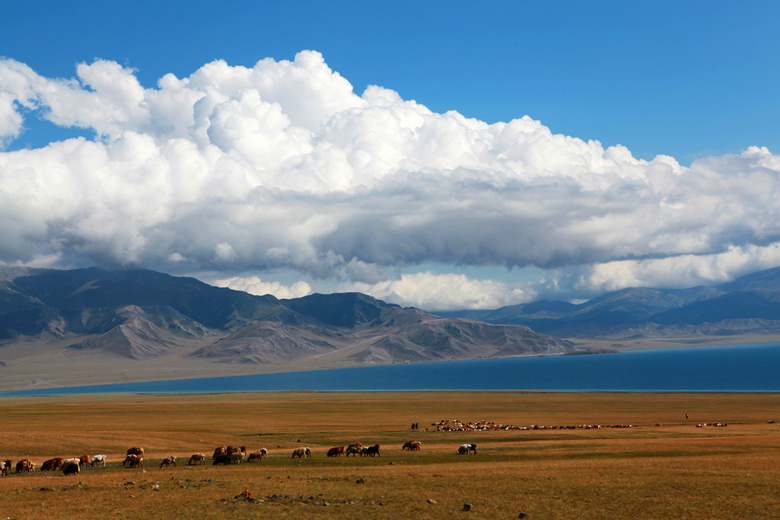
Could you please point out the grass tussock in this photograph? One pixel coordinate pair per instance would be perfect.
(664, 466)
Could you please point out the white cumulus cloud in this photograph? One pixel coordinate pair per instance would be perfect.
(443, 292)
(283, 165)
(254, 285)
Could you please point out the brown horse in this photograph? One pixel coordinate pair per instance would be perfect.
(336, 452)
(133, 461)
(52, 464)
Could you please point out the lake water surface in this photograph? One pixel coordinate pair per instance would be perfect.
(724, 368)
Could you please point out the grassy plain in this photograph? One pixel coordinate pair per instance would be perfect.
(663, 467)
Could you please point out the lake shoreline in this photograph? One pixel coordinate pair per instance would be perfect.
(51, 369)
(713, 368)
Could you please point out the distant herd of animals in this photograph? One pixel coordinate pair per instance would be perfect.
(223, 455)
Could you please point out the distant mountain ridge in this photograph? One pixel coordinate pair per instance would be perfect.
(748, 305)
(140, 314)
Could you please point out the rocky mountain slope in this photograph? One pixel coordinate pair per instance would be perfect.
(747, 306)
(141, 314)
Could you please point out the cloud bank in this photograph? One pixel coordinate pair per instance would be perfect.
(284, 166)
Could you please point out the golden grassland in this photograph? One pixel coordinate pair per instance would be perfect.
(663, 467)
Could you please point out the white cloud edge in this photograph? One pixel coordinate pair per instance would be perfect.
(174, 177)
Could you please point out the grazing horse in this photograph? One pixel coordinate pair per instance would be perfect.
(222, 459)
(236, 457)
(133, 461)
(71, 467)
(167, 461)
(465, 449)
(84, 460)
(52, 464)
(301, 453)
(99, 459)
(240, 450)
(25, 466)
(258, 455)
(136, 451)
(336, 452)
(372, 450)
(196, 458)
(411, 445)
(222, 450)
(354, 450)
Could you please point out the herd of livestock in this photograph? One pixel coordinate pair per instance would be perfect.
(454, 425)
(223, 455)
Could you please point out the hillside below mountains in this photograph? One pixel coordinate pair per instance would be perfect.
(745, 309)
(61, 327)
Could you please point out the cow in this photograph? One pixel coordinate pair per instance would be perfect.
(52, 464)
(71, 467)
(301, 453)
(371, 450)
(85, 460)
(197, 458)
(5, 467)
(99, 460)
(336, 452)
(218, 452)
(136, 451)
(465, 449)
(258, 455)
(221, 459)
(411, 445)
(133, 461)
(167, 461)
(25, 466)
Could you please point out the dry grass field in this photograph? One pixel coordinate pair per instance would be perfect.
(662, 467)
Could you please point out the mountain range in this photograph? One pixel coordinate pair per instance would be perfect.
(748, 306)
(65, 327)
(72, 319)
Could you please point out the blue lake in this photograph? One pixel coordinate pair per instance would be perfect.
(724, 368)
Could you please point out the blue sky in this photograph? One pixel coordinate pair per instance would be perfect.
(686, 79)
(696, 81)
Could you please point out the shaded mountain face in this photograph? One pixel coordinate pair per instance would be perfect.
(75, 290)
(748, 305)
(139, 314)
(340, 310)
